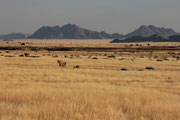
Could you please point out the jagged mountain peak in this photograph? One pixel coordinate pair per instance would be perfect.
(150, 30)
(71, 31)
(72, 26)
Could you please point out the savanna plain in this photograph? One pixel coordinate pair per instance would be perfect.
(68, 81)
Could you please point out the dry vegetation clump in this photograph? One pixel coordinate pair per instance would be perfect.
(55, 56)
(26, 54)
(150, 68)
(159, 60)
(124, 69)
(76, 66)
(122, 58)
(165, 59)
(65, 56)
(131, 45)
(9, 56)
(177, 58)
(21, 55)
(95, 58)
(141, 56)
(111, 56)
(22, 43)
(148, 44)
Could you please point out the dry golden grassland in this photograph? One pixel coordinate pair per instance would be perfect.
(106, 86)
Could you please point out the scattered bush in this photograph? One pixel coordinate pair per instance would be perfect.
(76, 66)
(35, 56)
(170, 80)
(21, 55)
(23, 44)
(159, 60)
(95, 58)
(122, 59)
(150, 68)
(115, 52)
(166, 59)
(174, 56)
(65, 56)
(111, 56)
(124, 69)
(26, 54)
(9, 56)
(177, 58)
(131, 45)
(55, 56)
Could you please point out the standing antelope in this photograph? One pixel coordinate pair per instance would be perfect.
(61, 64)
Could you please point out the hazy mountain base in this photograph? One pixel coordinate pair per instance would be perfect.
(13, 36)
(154, 38)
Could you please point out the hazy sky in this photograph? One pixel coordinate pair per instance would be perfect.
(120, 16)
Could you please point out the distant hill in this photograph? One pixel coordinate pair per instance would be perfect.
(70, 31)
(150, 30)
(153, 38)
(13, 36)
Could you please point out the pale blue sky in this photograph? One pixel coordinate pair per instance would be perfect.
(120, 16)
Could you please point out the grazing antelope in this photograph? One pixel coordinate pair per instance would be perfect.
(61, 64)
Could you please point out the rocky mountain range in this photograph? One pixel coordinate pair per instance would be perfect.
(13, 36)
(153, 38)
(150, 30)
(70, 31)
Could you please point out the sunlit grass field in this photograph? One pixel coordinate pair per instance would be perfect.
(106, 86)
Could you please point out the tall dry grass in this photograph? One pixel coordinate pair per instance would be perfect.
(38, 89)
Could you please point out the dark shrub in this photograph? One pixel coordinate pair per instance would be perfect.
(150, 68)
(111, 56)
(159, 60)
(55, 56)
(21, 55)
(23, 44)
(95, 58)
(26, 54)
(124, 69)
(76, 66)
